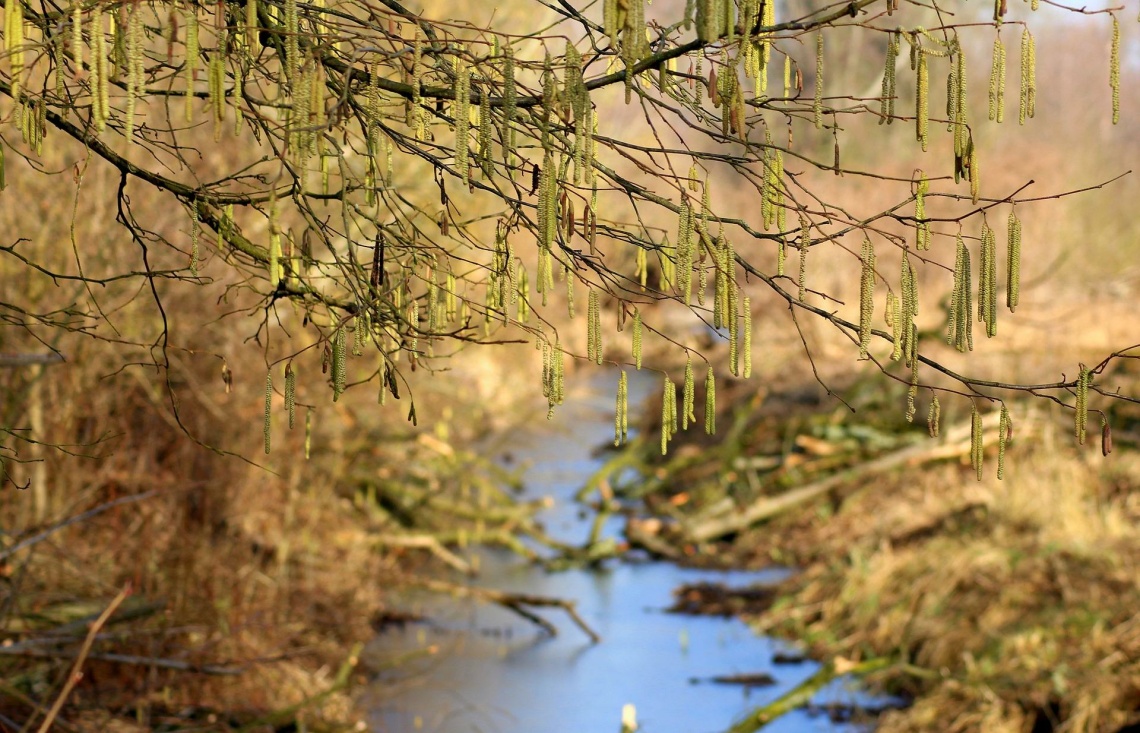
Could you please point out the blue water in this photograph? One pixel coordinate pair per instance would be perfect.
(495, 672)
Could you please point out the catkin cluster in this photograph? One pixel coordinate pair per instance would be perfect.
(887, 101)
(997, 82)
(553, 388)
(934, 417)
(1027, 98)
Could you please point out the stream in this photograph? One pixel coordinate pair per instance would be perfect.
(496, 673)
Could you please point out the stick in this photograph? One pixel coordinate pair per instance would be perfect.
(770, 506)
(515, 603)
(40, 537)
(76, 673)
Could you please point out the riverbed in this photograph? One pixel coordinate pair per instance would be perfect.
(493, 671)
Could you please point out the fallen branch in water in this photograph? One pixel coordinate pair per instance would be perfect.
(432, 545)
(802, 693)
(518, 603)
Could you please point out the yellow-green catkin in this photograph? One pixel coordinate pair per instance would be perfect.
(997, 81)
(866, 296)
(805, 245)
(100, 70)
(462, 116)
(887, 101)
(1114, 70)
(960, 324)
(987, 288)
(621, 413)
(1027, 96)
(912, 390)
(975, 174)
(710, 402)
(637, 338)
(961, 131)
(308, 432)
(134, 66)
(339, 362)
(934, 417)
(594, 329)
(909, 309)
(1013, 262)
(922, 101)
(267, 428)
(14, 44)
(977, 448)
(1005, 428)
(190, 65)
(291, 394)
(668, 414)
(77, 36)
(195, 236)
(893, 319)
(688, 395)
(1082, 406)
(817, 105)
(921, 226)
(746, 370)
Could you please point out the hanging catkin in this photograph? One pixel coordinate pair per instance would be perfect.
(805, 245)
(637, 338)
(1005, 428)
(960, 325)
(977, 449)
(893, 318)
(922, 226)
(688, 395)
(866, 296)
(817, 105)
(267, 427)
(462, 117)
(621, 413)
(1114, 70)
(308, 431)
(747, 326)
(668, 414)
(934, 417)
(190, 66)
(922, 100)
(1013, 262)
(594, 329)
(710, 402)
(1028, 86)
(997, 81)
(290, 394)
(339, 362)
(887, 103)
(1082, 407)
(987, 292)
